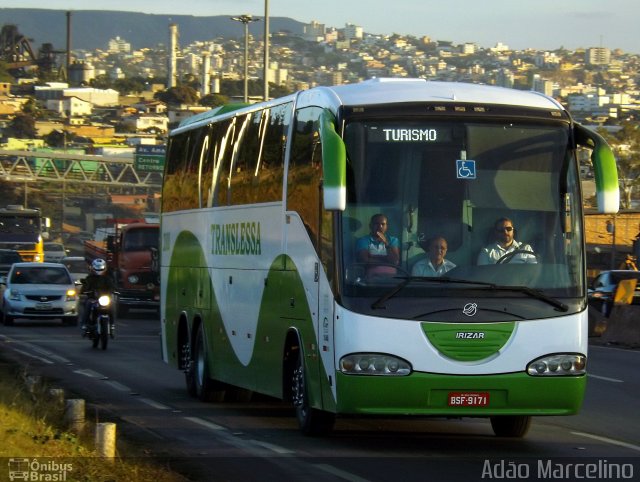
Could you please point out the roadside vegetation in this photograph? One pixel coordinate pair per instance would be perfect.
(31, 427)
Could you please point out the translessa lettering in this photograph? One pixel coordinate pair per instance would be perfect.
(236, 239)
(399, 135)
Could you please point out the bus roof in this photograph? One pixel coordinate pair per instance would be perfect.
(380, 91)
(399, 90)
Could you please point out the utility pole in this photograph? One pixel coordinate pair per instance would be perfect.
(266, 50)
(246, 20)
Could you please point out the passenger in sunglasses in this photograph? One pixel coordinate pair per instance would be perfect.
(504, 245)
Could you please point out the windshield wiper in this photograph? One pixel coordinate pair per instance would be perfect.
(379, 303)
(537, 294)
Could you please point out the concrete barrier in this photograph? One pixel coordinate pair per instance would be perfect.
(623, 326)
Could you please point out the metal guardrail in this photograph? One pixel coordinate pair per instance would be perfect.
(34, 166)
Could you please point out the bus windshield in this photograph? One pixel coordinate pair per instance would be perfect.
(19, 224)
(475, 187)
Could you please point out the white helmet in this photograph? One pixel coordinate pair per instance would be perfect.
(99, 265)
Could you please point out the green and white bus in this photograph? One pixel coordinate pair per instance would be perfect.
(262, 291)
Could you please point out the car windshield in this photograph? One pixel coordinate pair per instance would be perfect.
(53, 247)
(617, 277)
(10, 258)
(76, 265)
(40, 275)
(141, 239)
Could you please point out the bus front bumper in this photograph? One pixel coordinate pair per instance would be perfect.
(459, 395)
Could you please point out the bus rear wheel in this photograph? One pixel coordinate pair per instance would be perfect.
(310, 420)
(202, 386)
(511, 425)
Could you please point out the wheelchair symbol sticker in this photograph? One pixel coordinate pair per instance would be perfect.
(465, 169)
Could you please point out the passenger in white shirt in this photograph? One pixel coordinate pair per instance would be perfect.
(505, 244)
(435, 264)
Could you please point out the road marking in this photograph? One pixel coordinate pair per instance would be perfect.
(609, 440)
(275, 448)
(43, 360)
(118, 386)
(340, 473)
(607, 379)
(89, 373)
(154, 404)
(205, 423)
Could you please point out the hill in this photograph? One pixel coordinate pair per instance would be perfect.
(92, 29)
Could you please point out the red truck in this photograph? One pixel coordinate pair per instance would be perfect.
(131, 253)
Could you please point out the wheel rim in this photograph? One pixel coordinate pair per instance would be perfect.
(200, 364)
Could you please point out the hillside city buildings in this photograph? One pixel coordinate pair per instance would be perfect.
(598, 86)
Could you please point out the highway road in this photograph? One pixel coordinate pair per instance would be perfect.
(259, 440)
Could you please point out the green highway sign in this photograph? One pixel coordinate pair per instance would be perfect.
(150, 158)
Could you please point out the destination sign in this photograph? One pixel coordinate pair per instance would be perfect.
(424, 135)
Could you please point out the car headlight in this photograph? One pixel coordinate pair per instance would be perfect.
(104, 300)
(15, 296)
(374, 364)
(71, 295)
(133, 279)
(558, 365)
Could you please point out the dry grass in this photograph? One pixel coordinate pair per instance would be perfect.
(31, 428)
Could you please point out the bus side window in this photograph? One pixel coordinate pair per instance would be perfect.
(305, 171)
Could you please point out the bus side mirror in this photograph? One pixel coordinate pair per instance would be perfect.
(334, 164)
(604, 167)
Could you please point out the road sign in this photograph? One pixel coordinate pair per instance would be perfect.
(150, 158)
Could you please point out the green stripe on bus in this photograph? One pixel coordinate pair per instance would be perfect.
(190, 290)
(428, 394)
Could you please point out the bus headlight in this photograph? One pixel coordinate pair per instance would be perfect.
(558, 365)
(374, 364)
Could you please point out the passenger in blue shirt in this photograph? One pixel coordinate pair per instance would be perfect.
(378, 249)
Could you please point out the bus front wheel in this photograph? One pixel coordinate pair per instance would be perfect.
(511, 425)
(311, 420)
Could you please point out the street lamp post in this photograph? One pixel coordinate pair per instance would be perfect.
(246, 20)
(266, 50)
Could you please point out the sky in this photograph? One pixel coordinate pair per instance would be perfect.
(520, 24)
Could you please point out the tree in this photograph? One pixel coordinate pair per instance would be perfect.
(22, 126)
(181, 94)
(214, 100)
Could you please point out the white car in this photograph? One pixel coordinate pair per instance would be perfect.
(39, 291)
(54, 252)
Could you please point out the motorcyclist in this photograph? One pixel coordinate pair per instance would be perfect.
(97, 282)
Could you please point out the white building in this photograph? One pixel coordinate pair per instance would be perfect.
(70, 106)
(97, 97)
(118, 45)
(143, 122)
(314, 31)
(598, 56)
(353, 32)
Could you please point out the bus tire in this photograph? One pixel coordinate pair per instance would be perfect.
(310, 420)
(511, 425)
(205, 388)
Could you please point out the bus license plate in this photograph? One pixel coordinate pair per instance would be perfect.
(468, 399)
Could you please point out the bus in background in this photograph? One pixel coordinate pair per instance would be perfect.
(261, 289)
(24, 230)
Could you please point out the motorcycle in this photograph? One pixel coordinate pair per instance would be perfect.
(100, 325)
